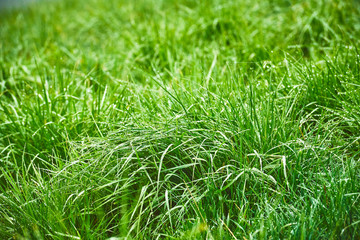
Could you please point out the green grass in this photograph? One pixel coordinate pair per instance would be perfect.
(179, 119)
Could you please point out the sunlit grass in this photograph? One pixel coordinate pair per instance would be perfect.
(180, 120)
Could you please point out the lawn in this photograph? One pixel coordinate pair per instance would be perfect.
(180, 119)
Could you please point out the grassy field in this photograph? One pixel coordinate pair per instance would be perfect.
(180, 119)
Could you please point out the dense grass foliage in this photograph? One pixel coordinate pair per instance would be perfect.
(180, 119)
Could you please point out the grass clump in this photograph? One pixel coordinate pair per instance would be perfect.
(180, 120)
